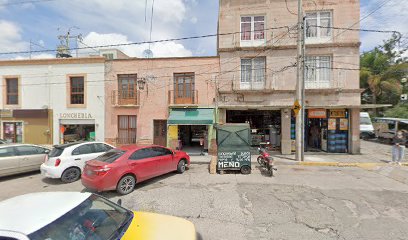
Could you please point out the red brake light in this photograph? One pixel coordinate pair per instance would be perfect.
(57, 162)
(102, 171)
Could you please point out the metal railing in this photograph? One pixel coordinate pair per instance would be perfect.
(125, 98)
(182, 99)
(121, 141)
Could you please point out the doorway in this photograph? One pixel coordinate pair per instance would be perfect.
(13, 132)
(194, 138)
(160, 132)
(184, 88)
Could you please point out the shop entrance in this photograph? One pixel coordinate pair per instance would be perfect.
(77, 132)
(265, 125)
(13, 132)
(193, 138)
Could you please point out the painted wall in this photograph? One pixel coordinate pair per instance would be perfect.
(154, 99)
(44, 85)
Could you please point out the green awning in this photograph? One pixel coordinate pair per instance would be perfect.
(196, 116)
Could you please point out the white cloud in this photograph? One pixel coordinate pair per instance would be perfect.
(194, 20)
(392, 16)
(35, 56)
(164, 49)
(10, 37)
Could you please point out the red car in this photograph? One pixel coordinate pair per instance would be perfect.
(121, 168)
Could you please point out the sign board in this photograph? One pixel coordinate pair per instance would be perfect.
(332, 124)
(317, 113)
(343, 124)
(338, 113)
(6, 113)
(296, 107)
(75, 116)
(233, 159)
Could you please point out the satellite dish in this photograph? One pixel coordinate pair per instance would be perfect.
(147, 53)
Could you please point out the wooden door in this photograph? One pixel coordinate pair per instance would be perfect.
(184, 89)
(160, 132)
(127, 91)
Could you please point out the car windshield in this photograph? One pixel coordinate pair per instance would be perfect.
(365, 121)
(110, 156)
(95, 218)
(55, 152)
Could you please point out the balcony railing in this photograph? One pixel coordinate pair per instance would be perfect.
(125, 98)
(123, 140)
(177, 98)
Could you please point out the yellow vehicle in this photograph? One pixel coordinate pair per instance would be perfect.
(80, 216)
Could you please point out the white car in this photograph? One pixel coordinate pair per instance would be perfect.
(66, 161)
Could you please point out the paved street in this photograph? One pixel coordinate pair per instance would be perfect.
(301, 202)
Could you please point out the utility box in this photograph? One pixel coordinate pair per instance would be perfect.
(233, 144)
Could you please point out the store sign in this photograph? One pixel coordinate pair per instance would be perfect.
(6, 113)
(343, 124)
(317, 113)
(75, 116)
(338, 113)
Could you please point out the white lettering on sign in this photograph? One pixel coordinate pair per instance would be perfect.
(75, 116)
(228, 164)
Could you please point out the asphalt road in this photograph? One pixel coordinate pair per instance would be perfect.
(299, 203)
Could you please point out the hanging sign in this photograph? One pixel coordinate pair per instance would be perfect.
(343, 124)
(296, 107)
(338, 113)
(332, 124)
(317, 113)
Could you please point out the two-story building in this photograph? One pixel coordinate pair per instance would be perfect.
(52, 101)
(163, 101)
(258, 74)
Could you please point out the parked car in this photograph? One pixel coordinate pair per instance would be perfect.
(366, 126)
(66, 161)
(2, 141)
(20, 158)
(387, 128)
(80, 216)
(123, 167)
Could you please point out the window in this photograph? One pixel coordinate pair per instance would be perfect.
(318, 69)
(13, 132)
(77, 90)
(126, 129)
(7, 152)
(110, 156)
(84, 149)
(108, 56)
(184, 88)
(29, 150)
(127, 85)
(162, 151)
(100, 147)
(12, 91)
(142, 154)
(318, 25)
(253, 73)
(55, 152)
(253, 28)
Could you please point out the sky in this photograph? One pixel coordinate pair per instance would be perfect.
(102, 22)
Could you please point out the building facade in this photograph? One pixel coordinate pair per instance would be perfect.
(259, 73)
(52, 101)
(163, 101)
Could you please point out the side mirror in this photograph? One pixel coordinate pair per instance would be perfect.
(119, 202)
(47, 151)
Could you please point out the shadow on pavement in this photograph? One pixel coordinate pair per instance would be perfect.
(19, 175)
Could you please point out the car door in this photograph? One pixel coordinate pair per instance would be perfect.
(8, 161)
(144, 164)
(82, 154)
(31, 157)
(165, 163)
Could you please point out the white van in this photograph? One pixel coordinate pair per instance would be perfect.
(366, 126)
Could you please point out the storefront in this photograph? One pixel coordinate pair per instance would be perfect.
(327, 130)
(26, 126)
(78, 126)
(191, 130)
(265, 125)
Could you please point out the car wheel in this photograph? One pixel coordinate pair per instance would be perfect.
(126, 185)
(181, 166)
(71, 175)
(245, 169)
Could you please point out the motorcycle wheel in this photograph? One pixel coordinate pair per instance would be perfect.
(261, 161)
(270, 171)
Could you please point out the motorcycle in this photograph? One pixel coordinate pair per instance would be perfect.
(266, 161)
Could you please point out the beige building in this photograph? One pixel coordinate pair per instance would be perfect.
(163, 101)
(258, 76)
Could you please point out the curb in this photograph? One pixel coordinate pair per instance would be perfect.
(343, 164)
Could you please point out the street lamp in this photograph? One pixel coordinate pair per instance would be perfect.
(141, 82)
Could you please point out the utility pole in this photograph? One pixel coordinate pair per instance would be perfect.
(300, 85)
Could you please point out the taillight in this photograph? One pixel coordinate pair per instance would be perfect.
(57, 162)
(102, 171)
